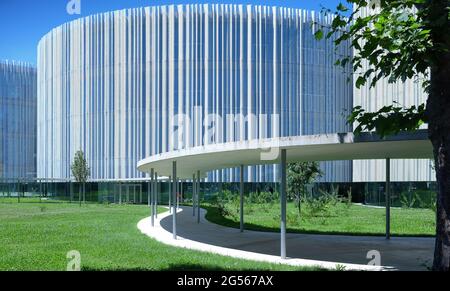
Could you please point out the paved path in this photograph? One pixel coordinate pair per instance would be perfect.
(399, 253)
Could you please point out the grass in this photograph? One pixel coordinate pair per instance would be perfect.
(340, 219)
(37, 236)
(24, 199)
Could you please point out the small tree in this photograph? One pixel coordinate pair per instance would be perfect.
(81, 172)
(299, 175)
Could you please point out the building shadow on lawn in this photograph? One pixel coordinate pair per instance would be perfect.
(213, 215)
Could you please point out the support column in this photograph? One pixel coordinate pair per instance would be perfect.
(388, 198)
(155, 200)
(174, 199)
(198, 196)
(177, 196)
(241, 192)
(70, 189)
(120, 193)
(149, 197)
(170, 194)
(152, 187)
(181, 191)
(283, 203)
(193, 195)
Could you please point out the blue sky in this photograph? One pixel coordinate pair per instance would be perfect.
(24, 22)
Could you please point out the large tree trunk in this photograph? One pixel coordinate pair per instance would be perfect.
(438, 117)
(441, 260)
(441, 150)
(439, 132)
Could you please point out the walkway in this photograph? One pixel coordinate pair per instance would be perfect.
(326, 251)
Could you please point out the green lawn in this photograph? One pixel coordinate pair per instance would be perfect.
(37, 236)
(27, 200)
(340, 219)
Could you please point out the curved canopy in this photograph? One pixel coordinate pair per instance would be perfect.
(320, 147)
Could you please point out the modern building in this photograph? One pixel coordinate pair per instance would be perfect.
(129, 84)
(125, 85)
(17, 121)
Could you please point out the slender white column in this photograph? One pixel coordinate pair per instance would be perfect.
(174, 199)
(388, 198)
(170, 194)
(283, 203)
(155, 200)
(198, 196)
(193, 194)
(182, 191)
(241, 192)
(152, 187)
(178, 195)
(120, 193)
(149, 199)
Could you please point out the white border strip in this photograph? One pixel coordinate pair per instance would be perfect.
(160, 234)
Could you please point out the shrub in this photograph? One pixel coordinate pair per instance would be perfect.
(249, 208)
(320, 206)
(227, 203)
(433, 206)
(348, 200)
(292, 218)
(263, 197)
(408, 201)
(418, 199)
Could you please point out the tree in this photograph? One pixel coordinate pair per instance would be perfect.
(400, 40)
(81, 172)
(298, 176)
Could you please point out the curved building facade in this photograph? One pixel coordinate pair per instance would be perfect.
(125, 85)
(407, 94)
(17, 120)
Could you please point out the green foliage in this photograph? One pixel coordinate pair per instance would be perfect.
(349, 197)
(228, 203)
(339, 219)
(222, 201)
(388, 120)
(292, 218)
(395, 39)
(399, 40)
(340, 267)
(318, 34)
(322, 205)
(408, 201)
(298, 176)
(315, 207)
(433, 206)
(418, 199)
(263, 197)
(80, 169)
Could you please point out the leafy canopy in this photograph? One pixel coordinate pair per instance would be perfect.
(392, 42)
(80, 169)
(300, 174)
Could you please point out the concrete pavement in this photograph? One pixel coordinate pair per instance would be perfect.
(326, 251)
